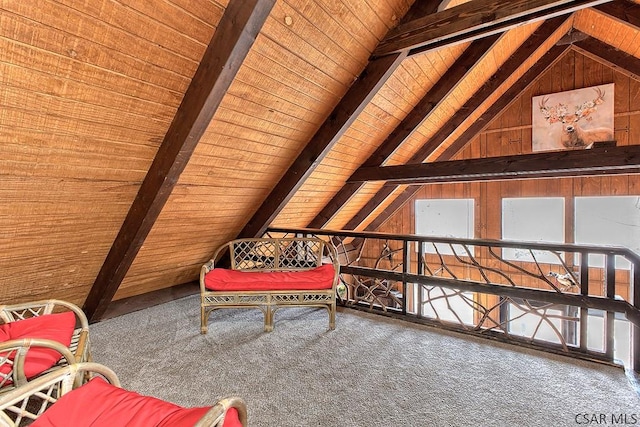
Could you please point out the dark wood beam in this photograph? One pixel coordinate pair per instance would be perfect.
(473, 20)
(236, 33)
(344, 114)
(547, 60)
(602, 159)
(623, 10)
(589, 45)
(608, 55)
(478, 126)
(470, 57)
(420, 9)
(405, 129)
(506, 70)
(509, 67)
(392, 208)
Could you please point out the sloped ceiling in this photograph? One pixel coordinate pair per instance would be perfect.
(89, 91)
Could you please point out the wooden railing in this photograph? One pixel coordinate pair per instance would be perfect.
(579, 300)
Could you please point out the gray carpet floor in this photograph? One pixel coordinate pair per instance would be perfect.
(370, 371)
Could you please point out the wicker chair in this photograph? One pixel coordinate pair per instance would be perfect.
(39, 398)
(14, 352)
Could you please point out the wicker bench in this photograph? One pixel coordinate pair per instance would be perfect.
(270, 273)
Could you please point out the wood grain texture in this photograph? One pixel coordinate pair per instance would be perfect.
(86, 102)
(542, 34)
(473, 20)
(488, 195)
(89, 90)
(238, 28)
(351, 105)
(602, 159)
(247, 147)
(409, 124)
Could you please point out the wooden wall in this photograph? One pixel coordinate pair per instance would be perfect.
(510, 134)
(90, 88)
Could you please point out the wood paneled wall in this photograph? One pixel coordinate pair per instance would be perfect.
(510, 134)
(89, 90)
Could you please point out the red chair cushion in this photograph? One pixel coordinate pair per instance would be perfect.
(100, 404)
(221, 279)
(56, 327)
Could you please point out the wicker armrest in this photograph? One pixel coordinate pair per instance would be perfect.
(62, 397)
(17, 408)
(80, 344)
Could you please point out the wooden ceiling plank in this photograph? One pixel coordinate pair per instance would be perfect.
(473, 20)
(475, 129)
(508, 67)
(620, 61)
(236, 33)
(433, 143)
(602, 159)
(624, 10)
(396, 138)
(344, 114)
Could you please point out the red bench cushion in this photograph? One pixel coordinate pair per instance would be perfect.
(56, 327)
(220, 279)
(100, 404)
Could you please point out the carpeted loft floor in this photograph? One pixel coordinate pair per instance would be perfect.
(370, 371)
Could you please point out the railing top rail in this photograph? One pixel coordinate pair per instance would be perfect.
(560, 247)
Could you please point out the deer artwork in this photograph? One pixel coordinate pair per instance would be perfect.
(574, 136)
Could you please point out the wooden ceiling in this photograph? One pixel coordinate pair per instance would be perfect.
(136, 137)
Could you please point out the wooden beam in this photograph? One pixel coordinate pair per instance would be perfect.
(622, 10)
(483, 121)
(608, 55)
(469, 58)
(420, 9)
(392, 207)
(236, 33)
(506, 70)
(526, 80)
(509, 67)
(405, 129)
(344, 114)
(473, 20)
(600, 160)
(547, 60)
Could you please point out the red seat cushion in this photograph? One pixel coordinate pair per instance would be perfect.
(100, 404)
(56, 327)
(220, 279)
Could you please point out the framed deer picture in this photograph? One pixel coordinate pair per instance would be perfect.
(572, 120)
